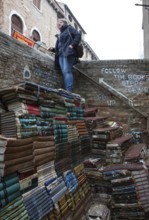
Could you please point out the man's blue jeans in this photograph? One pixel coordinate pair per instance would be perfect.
(66, 64)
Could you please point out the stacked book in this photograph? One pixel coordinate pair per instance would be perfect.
(81, 127)
(22, 107)
(57, 191)
(75, 113)
(9, 189)
(85, 143)
(95, 122)
(46, 172)
(72, 133)
(79, 172)
(38, 203)
(83, 184)
(62, 150)
(100, 138)
(107, 133)
(75, 153)
(14, 210)
(62, 165)
(90, 112)
(63, 206)
(129, 199)
(136, 153)
(116, 148)
(43, 150)
(100, 188)
(70, 180)
(16, 155)
(69, 95)
(28, 181)
(141, 181)
(60, 130)
(56, 188)
(8, 124)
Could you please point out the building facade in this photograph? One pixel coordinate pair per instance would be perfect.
(145, 8)
(37, 20)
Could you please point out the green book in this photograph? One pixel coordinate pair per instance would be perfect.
(8, 182)
(9, 190)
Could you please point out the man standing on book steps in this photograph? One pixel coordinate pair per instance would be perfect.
(65, 51)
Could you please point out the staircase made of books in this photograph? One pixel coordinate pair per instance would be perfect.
(43, 142)
(117, 171)
(61, 160)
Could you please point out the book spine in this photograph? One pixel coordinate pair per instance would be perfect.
(9, 182)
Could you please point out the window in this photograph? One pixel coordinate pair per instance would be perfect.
(70, 18)
(16, 24)
(37, 3)
(35, 35)
(76, 26)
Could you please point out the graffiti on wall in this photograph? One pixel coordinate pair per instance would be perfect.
(134, 83)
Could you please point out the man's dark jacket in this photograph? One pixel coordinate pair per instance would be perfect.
(68, 36)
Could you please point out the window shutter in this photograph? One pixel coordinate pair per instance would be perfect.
(35, 35)
(16, 24)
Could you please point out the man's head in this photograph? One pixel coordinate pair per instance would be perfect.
(62, 22)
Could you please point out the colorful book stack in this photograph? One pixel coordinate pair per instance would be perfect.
(72, 133)
(83, 184)
(57, 191)
(129, 193)
(44, 137)
(46, 172)
(14, 210)
(70, 180)
(69, 95)
(26, 125)
(28, 181)
(60, 130)
(81, 127)
(100, 138)
(100, 188)
(20, 103)
(38, 203)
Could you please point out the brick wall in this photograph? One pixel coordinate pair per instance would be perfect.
(17, 57)
(130, 79)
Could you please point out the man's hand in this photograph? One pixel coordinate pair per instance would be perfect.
(51, 49)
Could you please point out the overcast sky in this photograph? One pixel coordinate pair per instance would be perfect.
(114, 27)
